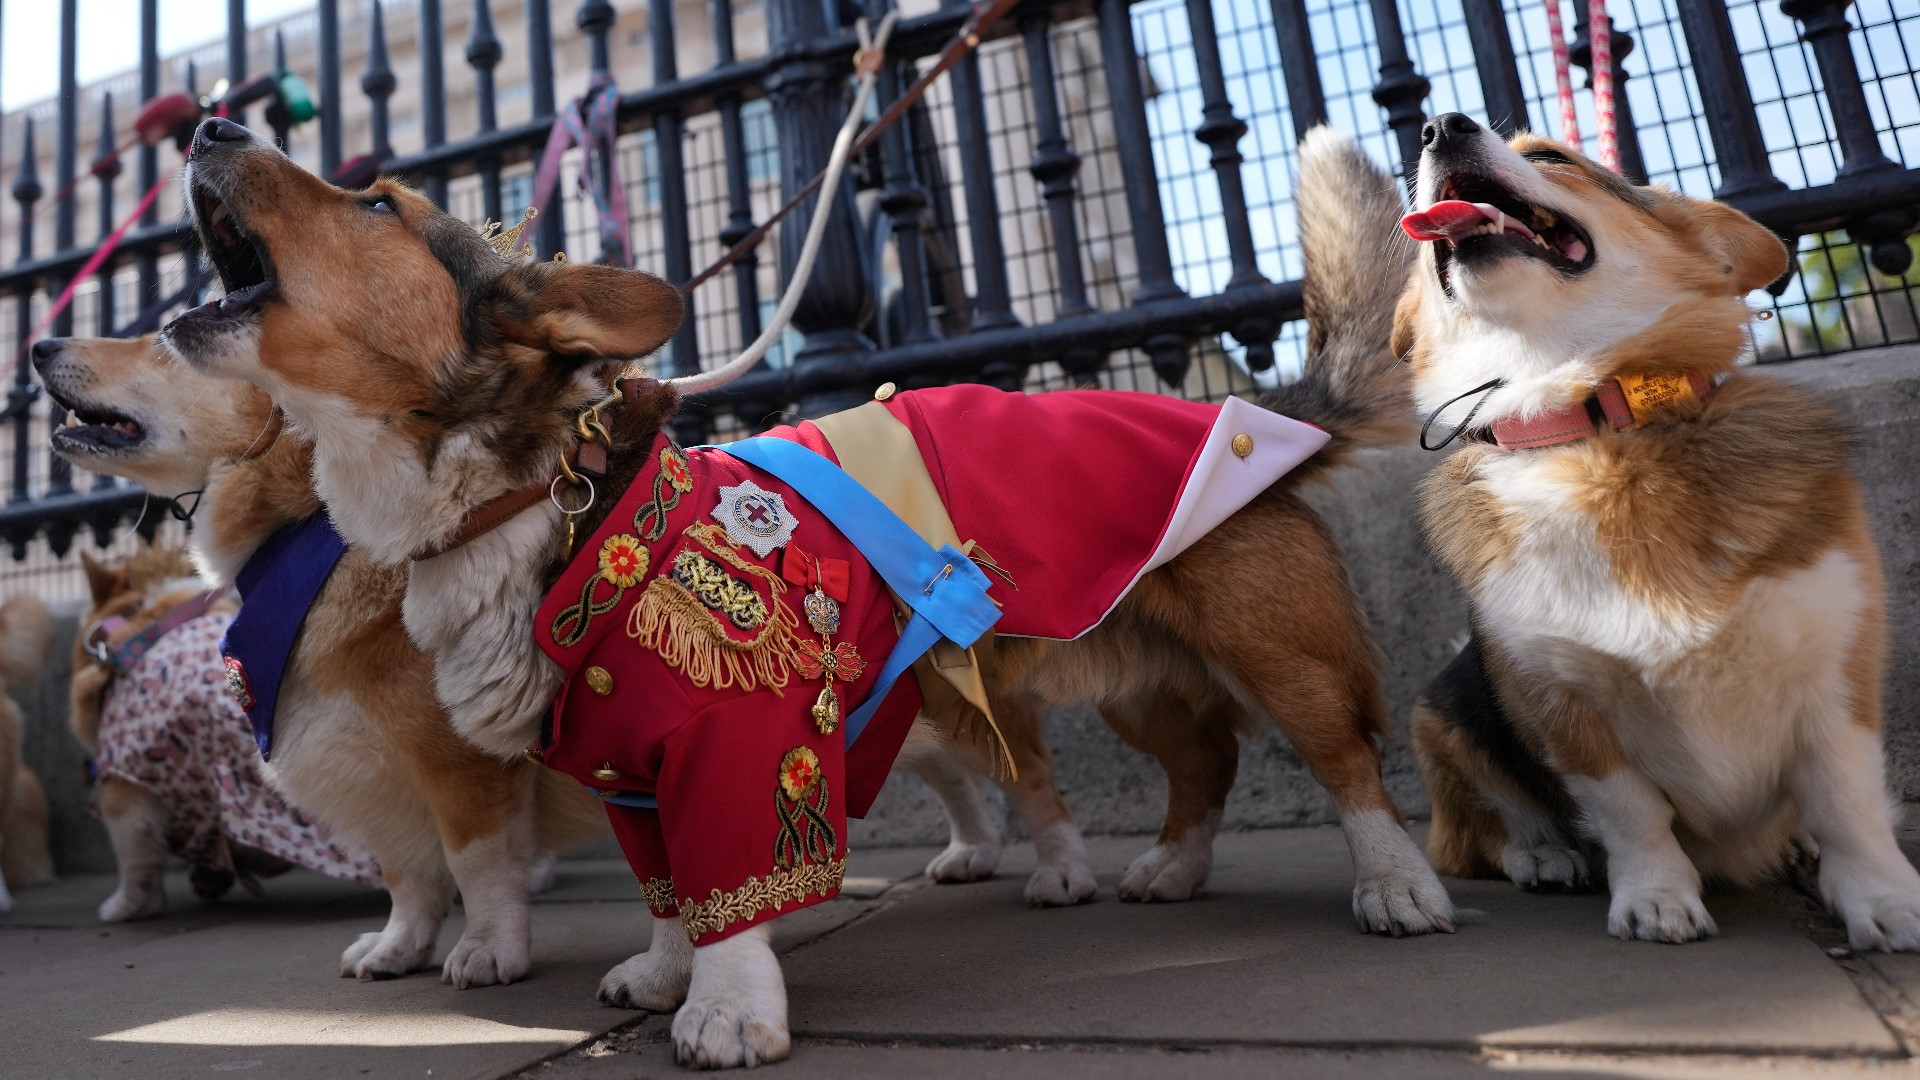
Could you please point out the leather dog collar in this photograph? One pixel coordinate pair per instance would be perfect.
(587, 457)
(1615, 405)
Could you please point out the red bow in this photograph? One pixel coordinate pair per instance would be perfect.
(808, 570)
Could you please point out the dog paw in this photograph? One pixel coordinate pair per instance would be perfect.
(1545, 867)
(479, 962)
(1403, 904)
(1879, 903)
(725, 1031)
(1888, 922)
(1166, 873)
(1061, 882)
(127, 905)
(964, 862)
(210, 884)
(375, 957)
(652, 981)
(1660, 913)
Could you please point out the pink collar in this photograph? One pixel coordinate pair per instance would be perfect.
(1614, 405)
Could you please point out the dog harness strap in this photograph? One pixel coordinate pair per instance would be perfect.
(278, 586)
(123, 656)
(945, 590)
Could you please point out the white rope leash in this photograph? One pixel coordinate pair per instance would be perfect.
(867, 61)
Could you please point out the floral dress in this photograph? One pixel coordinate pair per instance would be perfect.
(170, 726)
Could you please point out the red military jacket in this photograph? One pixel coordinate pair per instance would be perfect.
(690, 626)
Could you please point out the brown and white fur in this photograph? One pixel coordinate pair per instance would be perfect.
(433, 377)
(359, 740)
(140, 588)
(1678, 629)
(25, 856)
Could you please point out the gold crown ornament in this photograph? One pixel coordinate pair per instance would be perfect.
(507, 244)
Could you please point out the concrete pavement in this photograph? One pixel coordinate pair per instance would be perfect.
(1263, 975)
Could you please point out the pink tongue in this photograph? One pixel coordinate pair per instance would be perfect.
(1445, 220)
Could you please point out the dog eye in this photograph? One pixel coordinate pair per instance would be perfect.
(382, 206)
(1552, 157)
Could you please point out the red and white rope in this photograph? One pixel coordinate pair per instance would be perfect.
(1600, 35)
(1557, 37)
(1600, 65)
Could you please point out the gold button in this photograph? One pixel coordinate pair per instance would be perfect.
(1242, 444)
(599, 681)
(606, 773)
(886, 391)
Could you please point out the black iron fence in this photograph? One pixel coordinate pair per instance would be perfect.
(1101, 195)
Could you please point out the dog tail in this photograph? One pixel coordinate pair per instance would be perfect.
(567, 817)
(25, 630)
(1357, 262)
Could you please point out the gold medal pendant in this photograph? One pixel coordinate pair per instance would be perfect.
(826, 710)
(823, 612)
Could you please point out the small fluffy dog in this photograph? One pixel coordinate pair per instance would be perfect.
(175, 762)
(25, 858)
(1677, 613)
(434, 376)
(360, 742)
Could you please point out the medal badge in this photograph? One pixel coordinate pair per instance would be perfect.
(754, 517)
(823, 659)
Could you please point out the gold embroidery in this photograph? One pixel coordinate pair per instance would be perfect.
(757, 894)
(806, 834)
(570, 626)
(673, 464)
(650, 521)
(710, 584)
(658, 893)
(691, 632)
(688, 636)
(623, 561)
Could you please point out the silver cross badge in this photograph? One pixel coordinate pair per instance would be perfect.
(755, 517)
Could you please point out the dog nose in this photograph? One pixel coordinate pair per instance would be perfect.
(45, 350)
(1447, 127)
(219, 129)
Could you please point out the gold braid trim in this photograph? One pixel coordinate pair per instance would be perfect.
(757, 894)
(658, 893)
(689, 636)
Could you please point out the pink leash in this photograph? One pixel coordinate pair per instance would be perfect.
(100, 255)
(1600, 36)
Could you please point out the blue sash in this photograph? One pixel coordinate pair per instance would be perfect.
(277, 587)
(945, 590)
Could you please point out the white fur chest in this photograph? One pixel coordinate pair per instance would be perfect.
(1712, 705)
(1558, 583)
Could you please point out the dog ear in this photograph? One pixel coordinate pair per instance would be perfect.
(1405, 312)
(1751, 256)
(585, 311)
(103, 581)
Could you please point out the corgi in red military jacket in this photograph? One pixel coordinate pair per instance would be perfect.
(717, 627)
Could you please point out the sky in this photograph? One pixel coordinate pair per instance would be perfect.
(109, 39)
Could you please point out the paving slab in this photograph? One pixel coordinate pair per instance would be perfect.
(1269, 954)
(249, 986)
(644, 1052)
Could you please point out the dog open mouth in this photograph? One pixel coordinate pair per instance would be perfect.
(96, 429)
(1473, 217)
(238, 257)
